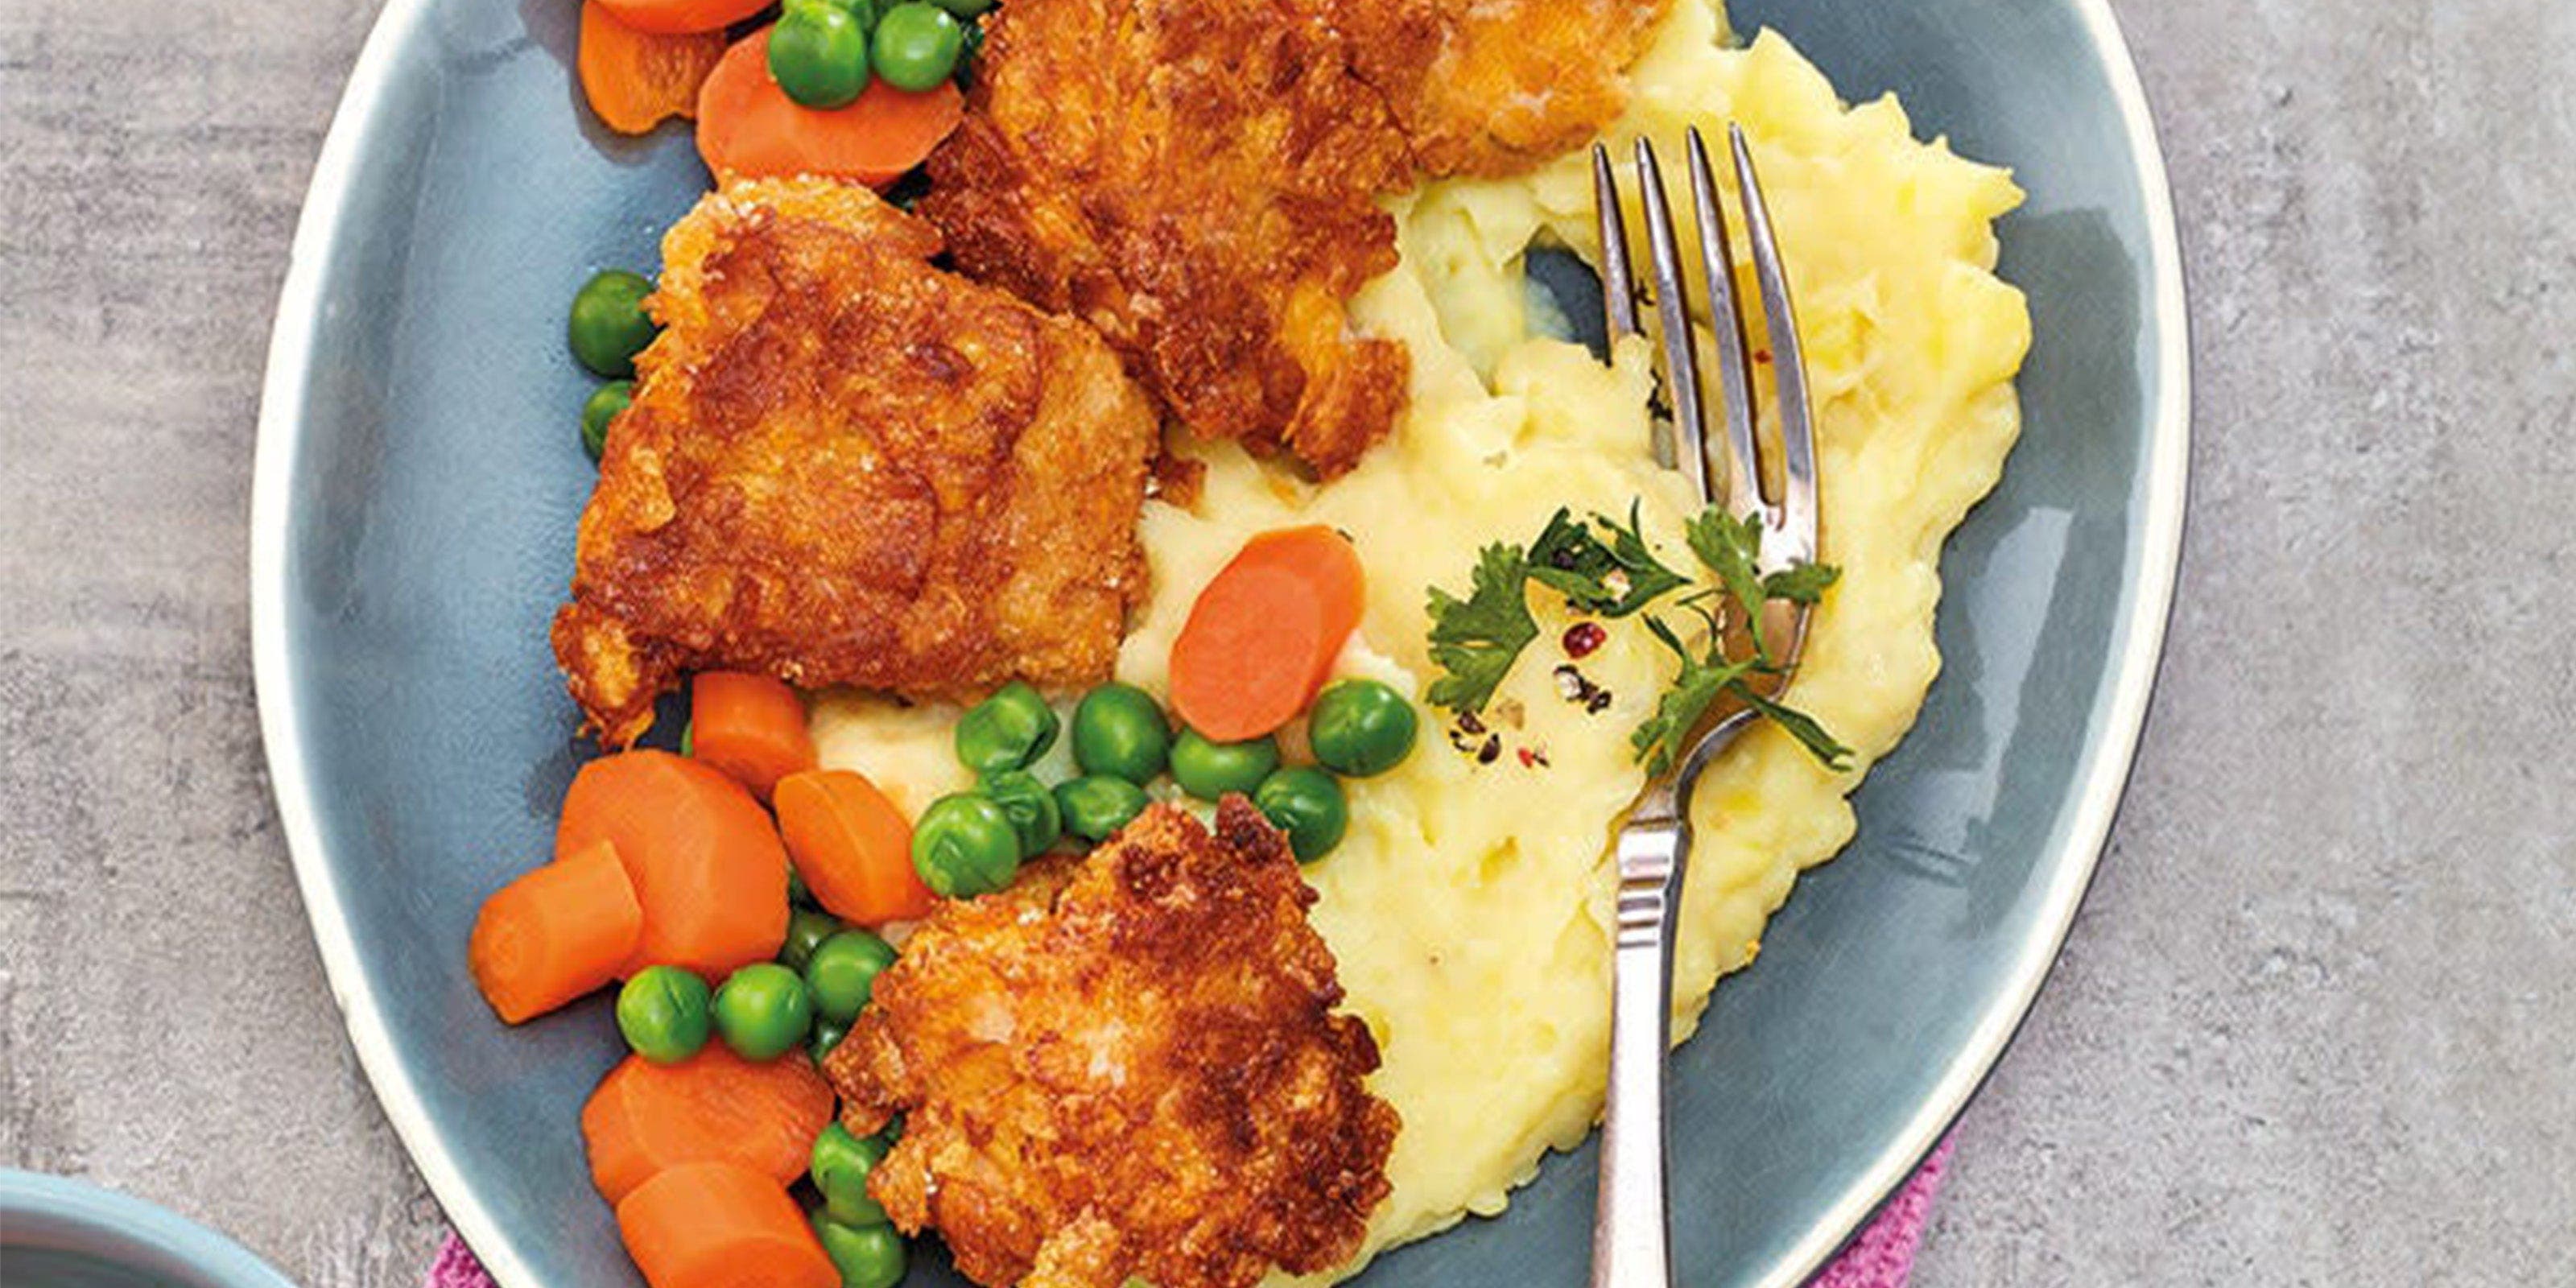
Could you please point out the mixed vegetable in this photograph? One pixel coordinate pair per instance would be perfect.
(607, 328)
(860, 90)
(854, 89)
(749, 899)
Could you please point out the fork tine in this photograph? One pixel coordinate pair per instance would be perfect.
(1742, 468)
(1689, 450)
(1618, 281)
(1792, 539)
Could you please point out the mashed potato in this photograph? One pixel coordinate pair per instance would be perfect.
(1469, 904)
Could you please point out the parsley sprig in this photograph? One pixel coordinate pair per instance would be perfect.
(1609, 570)
(1612, 578)
(1476, 639)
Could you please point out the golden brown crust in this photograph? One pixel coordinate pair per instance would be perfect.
(1497, 86)
(1126, 1065)
(1194, 178)
(1199, 178)
(843, 466)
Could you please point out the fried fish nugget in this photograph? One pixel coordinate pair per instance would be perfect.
(1126, 1065)
(1193, 177)
(844, 466)
(1497, 86)
(1200, 178)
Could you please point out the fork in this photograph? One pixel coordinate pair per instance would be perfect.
(1631, 1225)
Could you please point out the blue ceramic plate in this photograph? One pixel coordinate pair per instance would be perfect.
(417, 489)
(61, 1233)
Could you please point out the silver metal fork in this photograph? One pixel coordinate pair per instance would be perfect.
(1631, 1227)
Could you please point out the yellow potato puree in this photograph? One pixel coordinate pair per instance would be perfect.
(1469, 904)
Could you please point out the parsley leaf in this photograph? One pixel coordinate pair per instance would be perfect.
(1666, 734)
(1803, 584)
(1732, 548)
(1799, 725)
(1613, 578)
(1476, 639)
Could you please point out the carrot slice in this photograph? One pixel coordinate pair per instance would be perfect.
(682, 17)
(707, 866)
(715, 1225)
(555, 933)
(636, 79)
(1263, 635)
(852, 846)
(715, 1105)
(750, 726)
(748, 128)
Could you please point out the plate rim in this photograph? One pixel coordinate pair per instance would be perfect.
(42, 1210)
(2098, 796)
(2167, 474)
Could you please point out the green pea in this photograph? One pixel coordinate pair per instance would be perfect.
(964, 845)
(868, 1256)
(1006, 731)
(1208, 770)
(806, 931)
(604, 404)
(965, 9)
(818, 54)
(916, 46)
(763, 1011)
(1119, 730)
(689, 739)
(827, 1035)
(798, 893)
(843, 973)
(840, 1169)
(1095, 808)
(662, 1011)
(609, 326)
(1307, 804)
(866, 11)
(971, 54)
(1031, 807)
(1361, 727)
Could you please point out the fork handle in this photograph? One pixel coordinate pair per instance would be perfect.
(1631, 1225)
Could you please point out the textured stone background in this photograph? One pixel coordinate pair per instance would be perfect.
(2318, 1022)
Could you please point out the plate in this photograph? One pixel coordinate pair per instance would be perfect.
(417, 488)
(60, 1233)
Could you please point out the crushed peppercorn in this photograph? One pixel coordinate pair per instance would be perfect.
(1576, 687)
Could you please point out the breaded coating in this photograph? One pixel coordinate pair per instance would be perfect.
(844, 466)
(1193, 177)
(1494, 87)
(1125, 1065)
(1200, 178)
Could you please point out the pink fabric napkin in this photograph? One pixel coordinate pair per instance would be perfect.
(1882, 1257)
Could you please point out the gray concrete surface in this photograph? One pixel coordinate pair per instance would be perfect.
(2317, 1023)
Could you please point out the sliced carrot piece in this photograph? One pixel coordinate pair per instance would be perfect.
(1263, 635)
(716, 1225)
(637, 79)
(852, 846)
(555, 933)
(750, 726)
(681, 17)
(749, 129)
(705, 859)
(715, 1105)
